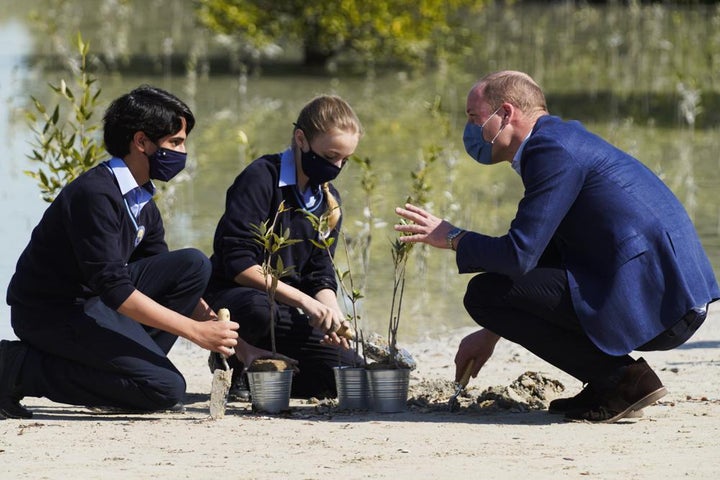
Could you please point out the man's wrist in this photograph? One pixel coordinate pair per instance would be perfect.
(452, 235)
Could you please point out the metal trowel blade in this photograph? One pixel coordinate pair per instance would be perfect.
(219, 392)
(222, 379)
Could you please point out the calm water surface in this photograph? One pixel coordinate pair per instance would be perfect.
(19, 201)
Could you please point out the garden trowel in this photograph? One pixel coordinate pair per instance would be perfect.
(222, 378)
(460, 386)
(344, 332)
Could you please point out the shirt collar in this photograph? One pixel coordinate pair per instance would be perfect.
(310, 198)
(125, 179)
(288, 175)
(516, 165)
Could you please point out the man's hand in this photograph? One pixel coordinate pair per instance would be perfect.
(477, 346)
(424, 227)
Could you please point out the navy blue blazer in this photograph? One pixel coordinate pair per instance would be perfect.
(634, 261)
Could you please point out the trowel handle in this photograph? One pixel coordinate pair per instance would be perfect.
(346, 332)
(223, 315)
(466, 373)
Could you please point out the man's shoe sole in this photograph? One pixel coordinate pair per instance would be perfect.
(647, 400)
(632, 414)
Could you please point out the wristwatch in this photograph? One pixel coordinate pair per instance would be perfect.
(452, 234)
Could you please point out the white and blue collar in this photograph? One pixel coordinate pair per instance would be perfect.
(310, 198)
(135, 196)
(516, 165)
(124, 177)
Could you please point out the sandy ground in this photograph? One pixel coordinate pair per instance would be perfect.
(677, 437)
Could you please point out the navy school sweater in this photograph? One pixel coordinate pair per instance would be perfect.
(254, 198)
(82, 245)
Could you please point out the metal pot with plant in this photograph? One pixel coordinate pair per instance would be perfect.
(350, 380)
(389, 375)
(271, 378)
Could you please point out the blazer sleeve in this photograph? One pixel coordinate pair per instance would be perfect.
(552, 180)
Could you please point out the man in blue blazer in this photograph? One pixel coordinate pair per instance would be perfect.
(600, 260)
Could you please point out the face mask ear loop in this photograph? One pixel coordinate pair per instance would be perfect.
(492, 142)
(486, 122)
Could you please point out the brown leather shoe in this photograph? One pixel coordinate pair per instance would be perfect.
(636, 388)
(582, 401)
(586, 399)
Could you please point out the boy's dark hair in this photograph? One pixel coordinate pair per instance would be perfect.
(148, 109)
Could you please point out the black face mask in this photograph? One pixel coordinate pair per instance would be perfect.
(317, 168)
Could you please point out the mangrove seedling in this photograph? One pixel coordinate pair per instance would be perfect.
(272, 265)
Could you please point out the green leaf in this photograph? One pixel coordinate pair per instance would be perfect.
(67, 92)
(56, 115)
(38, 106)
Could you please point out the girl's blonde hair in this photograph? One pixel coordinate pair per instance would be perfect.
(321, 115)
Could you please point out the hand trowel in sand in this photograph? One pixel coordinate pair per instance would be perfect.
(222, 378)
(453, 403)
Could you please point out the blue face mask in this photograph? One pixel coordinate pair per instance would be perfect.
(475, 144)
(166, 163)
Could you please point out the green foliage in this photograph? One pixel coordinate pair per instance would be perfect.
(406, 30)
(65, 141)
(272, 266)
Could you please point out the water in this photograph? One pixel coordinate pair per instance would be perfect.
(626, 89)
(20, 203)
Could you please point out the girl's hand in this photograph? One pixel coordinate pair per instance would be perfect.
(332, 338)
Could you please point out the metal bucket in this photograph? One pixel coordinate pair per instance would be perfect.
(389, 389)
(270, 391)
(352, 388)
